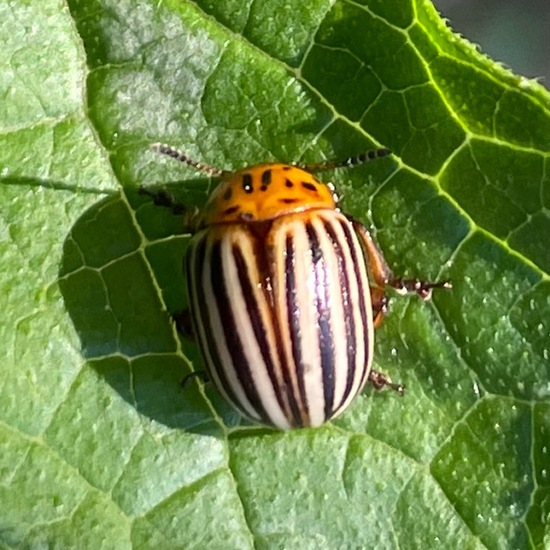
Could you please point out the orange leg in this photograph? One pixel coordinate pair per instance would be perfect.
(379, 304)
(383, 277)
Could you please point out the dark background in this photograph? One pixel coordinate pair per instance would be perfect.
(514, 32)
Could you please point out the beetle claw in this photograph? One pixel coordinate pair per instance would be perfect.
(423, 289)
(200, 374)
(379, 380)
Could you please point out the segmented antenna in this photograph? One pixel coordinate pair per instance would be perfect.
(346, 163)
(178, 155)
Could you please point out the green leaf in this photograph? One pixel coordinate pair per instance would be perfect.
(100, 445)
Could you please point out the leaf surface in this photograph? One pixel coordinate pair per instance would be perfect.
(100, 445)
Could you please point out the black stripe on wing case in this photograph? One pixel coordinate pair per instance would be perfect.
(196, 263)
(256, 321)
(347, 306)
(323, 307)
(301, 417)
(357, 256)
(232, 337)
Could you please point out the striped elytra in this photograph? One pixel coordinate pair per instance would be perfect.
(285, 291)
(283, 315)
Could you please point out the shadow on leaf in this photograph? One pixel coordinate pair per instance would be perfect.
(121, 277)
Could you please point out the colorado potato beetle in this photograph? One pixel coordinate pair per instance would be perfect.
(285, 292)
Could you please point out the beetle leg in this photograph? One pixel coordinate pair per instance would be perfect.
(163, 198)
(379, 380)
(200, 374)
(184, 326)
(182, 319)
(383, 276)
(191, 217)
(379, 305)
(421, 288)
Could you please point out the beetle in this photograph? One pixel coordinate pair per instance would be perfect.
(285, 291)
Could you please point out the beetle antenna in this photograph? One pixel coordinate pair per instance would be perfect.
(182, 157)
(346, 163)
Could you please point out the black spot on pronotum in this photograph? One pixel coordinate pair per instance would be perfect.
(228, 194)
(288, 201)
(231, 210)
(288, 183)
(247, 183)
(309, 186)
(266, 177)
(286, 168)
